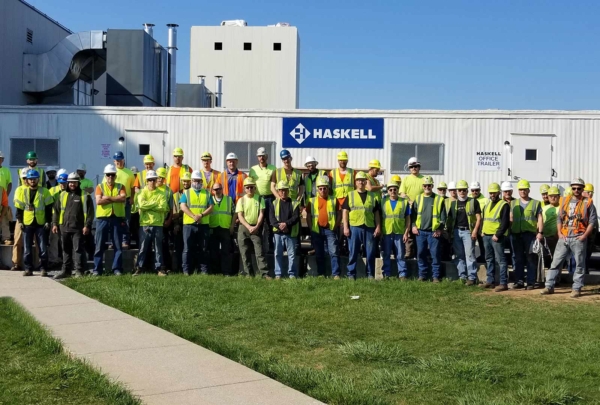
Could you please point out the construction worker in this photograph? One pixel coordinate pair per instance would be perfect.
(85, 184)
(221, 231)
(262, 173)
(588, 192)
(527, 225)
(54, 238)
(395, 212)
(140, 181)
(289, 174)
(17, 250)
(496, 222)
(250, 211)
(550, 215)
(476, 194)
(507, 191)
(428, 216)
(442, 188)
(411, 188)
(34, 213)
(74, 214)
(342, 183)
(445, 240)
(373, 184)
(176, 170)
(186, 181)
(209, 175)
(575, 223)
(111, 198)
(310, 181)
(3, 212)
(544, 192)
(567, 192)
(126, 178)
(6, 217)
(52, 180)
(323, 216)
(362, 224)
(61, 183)
(397, 179)
(232, 179)
(465, 212)
(196, 205)
(284, 218)
(32, 161)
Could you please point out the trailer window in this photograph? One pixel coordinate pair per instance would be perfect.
(246, 152)
(431, 156)
(46, 149)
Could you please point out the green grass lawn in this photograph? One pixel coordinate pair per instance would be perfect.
(399, 343)
(35, 370)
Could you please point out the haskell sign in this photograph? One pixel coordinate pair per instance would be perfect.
(336, 133)
(488, 161)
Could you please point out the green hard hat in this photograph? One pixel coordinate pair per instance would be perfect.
(31, 155)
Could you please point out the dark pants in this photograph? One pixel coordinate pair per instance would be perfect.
(268, 244)
(521, 242)
(195, 239)
(178, 242)
(151, 236)
(166, 249)
(108, 227)
(220, 252)
(481, 258)
(73, 253)
(326, 237)
(39, 233)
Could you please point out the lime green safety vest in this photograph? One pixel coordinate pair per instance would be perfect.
(38, 210)
(361, 214)
(63, 205)
(221, 216)
(491, 218)
(296, 227)
(469, 210)
(54, 191)
(437, 211)
(197, 203)
(37, 169)
(527, 221)
(394, 221)
(293, 181)
(331, 213)
(104, 211)
(342, 189)
(310, 188)
(182, 169)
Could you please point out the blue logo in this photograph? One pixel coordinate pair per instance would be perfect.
(336, 133)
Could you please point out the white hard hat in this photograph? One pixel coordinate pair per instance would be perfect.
(475, 185)
(81, 167)
(231, 156)
(24, 171)
(110, 168)
(50, 169)
(1, 154)
(506, 186)
(151, 174)
(260, 152)
(452, 185)
(196, 173)
(73, 177)
(577, 181)
(134, 170)
(60, 171)
(310, 159)
(413, 162)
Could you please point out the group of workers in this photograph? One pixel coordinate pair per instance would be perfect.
(200, 211)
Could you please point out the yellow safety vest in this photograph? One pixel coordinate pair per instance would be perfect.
(104, 211)
(197, 203)
(295, 205)
(394, 221)
(182, 169)
(293, 181)
(469, 210)
(340, 188)
(56, 190)
(361, 214)
(38, 210)
(331, 213)
(436, 214)
(63, 205)
(526, 222)
(221, 216)
(37, 169)
(211, 180)
(491, 218)
(310, 188)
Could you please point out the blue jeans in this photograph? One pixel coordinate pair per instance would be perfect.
(325, 236)
(149, 236)
(40, 234)
(521, 242)
(426, 242)
(195, 239)
(564, 248)
(285, 241)
(393, 244)
(361, 236)
(104, 227)
(494, 252)
(464, 249)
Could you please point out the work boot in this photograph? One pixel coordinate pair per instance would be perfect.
(487, 285)
(62, 274)
(15, 268)
(421, 279)
(43, 272)
(518, 286)
(336, 277)
(501, 287)
(402, 278)
(162, 273)
(78, 274)
(27, 273)
(530, 287)
(575, 294)
(470, 283)
(547, 291)
(437, 280)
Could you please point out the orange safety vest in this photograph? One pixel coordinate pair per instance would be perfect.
(239, 187)
(580, 216)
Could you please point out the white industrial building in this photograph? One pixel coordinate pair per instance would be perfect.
(260, 66)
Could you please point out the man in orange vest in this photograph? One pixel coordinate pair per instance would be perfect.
(232, 179)
(575, 222)
(209, 175)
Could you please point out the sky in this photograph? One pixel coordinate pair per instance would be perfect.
(396, 54)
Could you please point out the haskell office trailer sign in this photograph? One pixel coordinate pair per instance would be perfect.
(335, 133)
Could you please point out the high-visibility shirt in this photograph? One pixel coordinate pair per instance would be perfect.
(126, 178)
(54, 191)
(294, 180)
(525, 221)
(222, 213)
(361, 213)
(262, 176)
(63, 205)
(233, 184)
(168, 195)
(86, 183)
(310, 184)
(107, 210)
(174, 177)
(296, 226)
(38, 209)
(550, 216)
(438, 202)
(412, 186)
(197, 202)
(491, 218)
(37, 169)
(5, 177)
(394, 219)
(250, 207)
(152, 205)
(575, 223)
(469, 211)
(342, 185)
(318, 205)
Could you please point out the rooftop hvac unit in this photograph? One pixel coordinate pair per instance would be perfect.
(234, 23)
(280, 24)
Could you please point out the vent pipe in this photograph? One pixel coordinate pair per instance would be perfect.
(149, 29)
(202, 84)
(219, 91)
(172, 48)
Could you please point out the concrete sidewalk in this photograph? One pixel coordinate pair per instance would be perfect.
(155, 365)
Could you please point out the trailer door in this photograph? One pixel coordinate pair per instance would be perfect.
(139, 143)
(531, 159)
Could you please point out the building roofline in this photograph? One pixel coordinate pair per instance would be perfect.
(46, 16)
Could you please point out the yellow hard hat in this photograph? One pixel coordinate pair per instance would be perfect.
(375, 164)
(148, 159)
(322, 181)
(177, 152)
(462, 184)
(553, 191)
(589, 187)
(568, 191)
(361, 175)
(161, 172)
(206, 156)
(442, 185)
(493, 188)
(522, 184)
(392, 184)
(187, 176)
(283, 185)
(396, 178)
(544, 188)
(427, 180)
(249, 181)
(342, 156)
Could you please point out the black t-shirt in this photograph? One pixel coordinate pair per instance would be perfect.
(461, 216)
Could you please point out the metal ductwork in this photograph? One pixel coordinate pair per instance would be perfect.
(219, 91)
(172, 48)
(78, 56)
(149, 28)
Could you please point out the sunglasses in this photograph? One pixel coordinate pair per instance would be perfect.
(151, 180)
(428, 185)
(323, 188)
(111, 175)
(462, 190)
(217, 189)
(249, 186)
(392, 189)
(576, 188)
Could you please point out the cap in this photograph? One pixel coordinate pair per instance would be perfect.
(361, 175)
(261, 151)
(506, 186)
(231, 156)
(196, 175)
(206, 156)
(82, 167)
(50, 169)
(310, 159)
(119, 156)
(283, 185)
(151, 174)
(475, 185)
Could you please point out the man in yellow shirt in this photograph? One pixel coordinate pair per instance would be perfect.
(262, 174)
(126, 178)
(410, 188)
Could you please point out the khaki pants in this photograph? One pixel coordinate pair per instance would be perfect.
(17, 251)
(4, 228)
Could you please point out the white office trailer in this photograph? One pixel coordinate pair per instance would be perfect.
(487, 146)
(260, 66)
